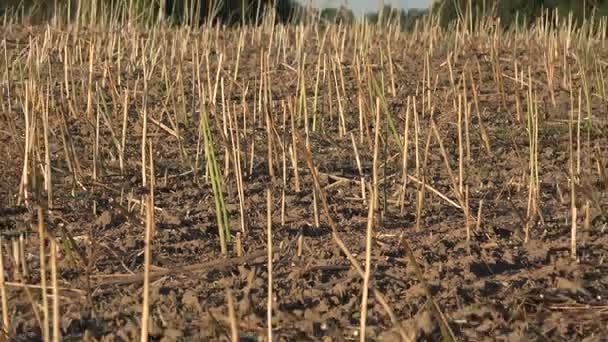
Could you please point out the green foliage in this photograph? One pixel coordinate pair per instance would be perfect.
(524, 11)
(190, 12)
(406, 19)
(337, 15)
(217, 184)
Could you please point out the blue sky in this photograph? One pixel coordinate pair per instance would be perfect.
(363, 6)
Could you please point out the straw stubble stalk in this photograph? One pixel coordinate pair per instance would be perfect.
(123, 142)
(42, 255)
(96, 146)
(24, 269)
(375, 157)
(293, 149)
(416, 137)
(578, 135)
(145, 317)
(269, 145)
(225, 135)
(366, 276)
(316, 91)
(482, 130)
(404, 165)
(359, 168)
(391, 69)
(336, 237)
(455, 188)
(3, 294)
(144, 131)
(152, 182)
(234, 331)
(370, 226)
(467, 217)
(90, 82)
(269, 261)
(302, 104)
(23, 185)
(48, 183)
(55, 287)
(422, 183)
(315, 209)
(16, 258)
(240, 43)
(342, 119)
(572, 176)
(236, 155)
(460, 148)
(467, 120)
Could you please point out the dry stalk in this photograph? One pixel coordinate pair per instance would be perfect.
(342, 119)
(446, 160)
(375, 159)
(48, 184)
(24, 269)
(446, 331)
(125, 111)
(96, 147)
(269, 261)
(4, 298)
(236, 155)
(56, 313)
(572, 171)
(16, 257)
(368, 257)
(478, 223)
(404, 165)
(293, 149)
(90, 83)
(422, 183)
(42, 255)
(144, 130)
(23, 185)
(370, 225)
(482, 130)
(145, 317)
(435, 191)
(460, 148)
(336, 237)
(234, 330)
(269, 144)
(356, 151)
(315, 208)
(467, 120)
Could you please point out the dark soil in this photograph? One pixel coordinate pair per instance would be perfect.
(494, 288)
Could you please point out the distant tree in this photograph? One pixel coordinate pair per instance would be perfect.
(412, 16)
(526, 11)
(177, 11)
(337, 15)
(234, 11)
(393, 16)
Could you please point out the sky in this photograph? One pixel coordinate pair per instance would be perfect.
(360, 7)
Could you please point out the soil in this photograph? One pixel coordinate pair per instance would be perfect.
(495, 287)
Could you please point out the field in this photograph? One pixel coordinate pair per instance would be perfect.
(341, 180)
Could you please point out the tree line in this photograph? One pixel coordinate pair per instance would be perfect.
(519, 12)
(230, 12)
(193, 12)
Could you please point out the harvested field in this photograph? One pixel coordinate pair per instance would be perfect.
(434, 175)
